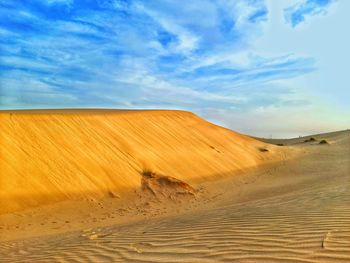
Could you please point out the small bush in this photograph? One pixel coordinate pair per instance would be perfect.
(147, 173)
(312, 139)
(323, 142)
(279, 144)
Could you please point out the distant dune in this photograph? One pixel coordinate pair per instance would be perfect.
(52, 155)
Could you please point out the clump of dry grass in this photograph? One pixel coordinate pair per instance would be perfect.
(323, 142)
(312, 139)
(147, 173)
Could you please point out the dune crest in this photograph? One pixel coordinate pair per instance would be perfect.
(52, 155)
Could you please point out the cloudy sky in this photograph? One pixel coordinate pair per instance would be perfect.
(267, 68)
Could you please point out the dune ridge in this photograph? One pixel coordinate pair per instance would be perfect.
(52, 155)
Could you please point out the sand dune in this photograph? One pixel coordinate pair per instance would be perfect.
(289, 210)
(55, 155)
(294, 211)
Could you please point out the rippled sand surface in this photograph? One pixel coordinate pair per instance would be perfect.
(293, 211)
(313, 228)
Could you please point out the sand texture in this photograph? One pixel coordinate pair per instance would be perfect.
(50, 156)
(291, 205)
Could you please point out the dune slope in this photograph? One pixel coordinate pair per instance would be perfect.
(48, 156)
(296, 210)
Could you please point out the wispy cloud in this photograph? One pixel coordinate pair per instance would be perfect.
(297, 13)
(66, 53)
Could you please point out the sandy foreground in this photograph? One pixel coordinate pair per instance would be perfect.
(288, 203)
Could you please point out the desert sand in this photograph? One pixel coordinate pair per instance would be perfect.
(167, 186)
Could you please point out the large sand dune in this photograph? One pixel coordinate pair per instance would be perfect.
(289, 210)
(48, 156)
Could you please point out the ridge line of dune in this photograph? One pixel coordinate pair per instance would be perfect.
(54, 156)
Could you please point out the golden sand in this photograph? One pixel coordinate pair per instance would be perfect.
(200, 193)
(50, 156)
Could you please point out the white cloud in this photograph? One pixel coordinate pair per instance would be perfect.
(215, 60)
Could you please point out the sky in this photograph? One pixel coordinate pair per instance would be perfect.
(267, 68)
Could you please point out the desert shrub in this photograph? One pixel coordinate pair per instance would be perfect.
(323, 142)
(312, 139)
(147, 173)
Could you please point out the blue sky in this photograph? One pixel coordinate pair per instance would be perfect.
(267, 68)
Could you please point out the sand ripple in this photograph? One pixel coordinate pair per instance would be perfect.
(310, 225)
